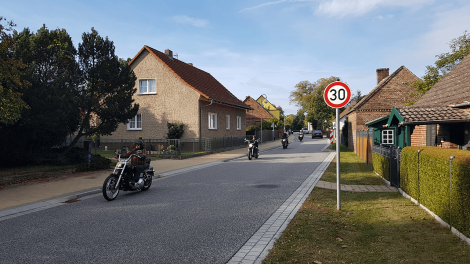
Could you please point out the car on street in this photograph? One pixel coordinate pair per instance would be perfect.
(317, 133)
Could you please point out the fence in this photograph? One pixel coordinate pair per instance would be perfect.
(176, 147)
(394, 158)
(364, 143)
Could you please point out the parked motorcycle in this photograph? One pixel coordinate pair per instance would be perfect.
(301, 136)
(284, 143)
(122, 175)
(252, 150)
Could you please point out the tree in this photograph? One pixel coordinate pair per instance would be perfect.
(175, 131)
(107, 90)
(309, 97)
(11, 84)
(460, 48)
(52, 111)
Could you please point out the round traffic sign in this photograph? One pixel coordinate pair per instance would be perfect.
(337, 94)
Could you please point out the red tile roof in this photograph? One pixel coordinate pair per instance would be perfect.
(202, 82)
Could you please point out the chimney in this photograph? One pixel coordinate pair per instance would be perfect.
(169, 53)
(382, 73)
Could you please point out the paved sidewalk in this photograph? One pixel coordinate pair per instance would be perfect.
(356, 188)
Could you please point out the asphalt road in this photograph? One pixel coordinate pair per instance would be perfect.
(201, 216)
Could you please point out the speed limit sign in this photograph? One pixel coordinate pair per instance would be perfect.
(337, 94)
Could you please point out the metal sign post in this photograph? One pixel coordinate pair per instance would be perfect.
(337, 95)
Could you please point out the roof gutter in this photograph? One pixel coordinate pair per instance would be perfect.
(244, 107)
(436, 121)
(465, 103)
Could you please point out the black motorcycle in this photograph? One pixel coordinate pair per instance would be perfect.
(122, 175)
(284, 143)
(301, 136)
(252, 150)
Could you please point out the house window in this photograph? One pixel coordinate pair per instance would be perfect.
(227, 121)
(212, 121)
(147, 87)
(387, 137)
(239, 123)
(135, 123)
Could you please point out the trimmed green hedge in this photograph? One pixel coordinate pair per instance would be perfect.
(428, 182)
(381, 165)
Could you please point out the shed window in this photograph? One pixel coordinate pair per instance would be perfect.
(387, 137)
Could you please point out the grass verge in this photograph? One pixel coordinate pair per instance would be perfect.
(370, 228)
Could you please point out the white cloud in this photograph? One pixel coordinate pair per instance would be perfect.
(447, 26)
(360, 7)
(202, 23)
(273, 3)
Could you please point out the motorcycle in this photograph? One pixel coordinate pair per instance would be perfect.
(252, 150)
(284, 143)
(301, 136)
(122, 175)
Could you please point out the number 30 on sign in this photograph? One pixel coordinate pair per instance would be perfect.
(337, 94)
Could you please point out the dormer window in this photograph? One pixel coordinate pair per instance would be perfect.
(147, 86)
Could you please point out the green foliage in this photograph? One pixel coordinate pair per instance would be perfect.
(428, 182)
(11, 83)
(252, 128)
(171, 147)
(53, 111)
(97, 162)
(460, 48)
(309, 97)
(381, 165)
(175, 131)
(108, 87)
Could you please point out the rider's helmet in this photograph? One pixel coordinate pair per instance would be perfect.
(254, 137)
(139, 143)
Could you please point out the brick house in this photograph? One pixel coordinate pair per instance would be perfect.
(441, 117)
(391, 90)
(253, 115)
(269, 107)
(172, 91)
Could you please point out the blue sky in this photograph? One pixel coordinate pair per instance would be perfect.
(256, 47)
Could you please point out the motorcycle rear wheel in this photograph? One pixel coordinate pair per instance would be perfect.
(147, 183)
(110, 191)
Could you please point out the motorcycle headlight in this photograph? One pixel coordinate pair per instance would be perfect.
(119, 165)
(284, 140)
(251, 145)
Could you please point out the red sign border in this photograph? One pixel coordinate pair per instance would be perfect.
(330, 104)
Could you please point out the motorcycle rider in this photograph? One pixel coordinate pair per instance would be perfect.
(255, 144)
(301, 133)
(285, 136)
(137, 163)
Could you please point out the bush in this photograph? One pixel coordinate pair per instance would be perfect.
(171, 147)
(381, 165)
(428, 182)
(97, 162)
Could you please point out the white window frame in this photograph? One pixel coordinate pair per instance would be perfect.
(212, 120)
(388, 137)
(239, 123)
(135, 123)
(147, 89)
(227, 122)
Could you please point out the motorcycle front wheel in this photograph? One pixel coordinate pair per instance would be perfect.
(249, 155)
(110, 190)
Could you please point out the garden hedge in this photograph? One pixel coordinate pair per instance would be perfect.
(381, 165)
(426, 178)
